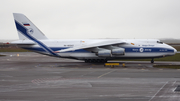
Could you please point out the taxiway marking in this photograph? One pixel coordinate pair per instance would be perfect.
(158, 91)
(105, 73)
(173, 83)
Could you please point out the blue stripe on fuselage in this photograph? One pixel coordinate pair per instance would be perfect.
(147, 49)
(23, 30)
(127, 50)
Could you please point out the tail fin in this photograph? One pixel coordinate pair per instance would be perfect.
(26, 29)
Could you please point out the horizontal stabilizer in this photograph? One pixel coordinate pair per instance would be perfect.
(21, 42)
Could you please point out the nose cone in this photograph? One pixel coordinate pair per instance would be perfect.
(172, 50)
(175, 51)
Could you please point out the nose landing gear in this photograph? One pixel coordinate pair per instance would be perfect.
(152, 61)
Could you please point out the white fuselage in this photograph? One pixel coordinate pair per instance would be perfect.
(134, 48)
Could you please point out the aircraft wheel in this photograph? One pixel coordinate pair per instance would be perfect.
(152, 61)
(98, 61)
(101, 60)
(95, 60)
(86, 61)
(105, 61)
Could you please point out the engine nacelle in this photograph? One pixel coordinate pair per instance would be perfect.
(104, 53)
(118, 51)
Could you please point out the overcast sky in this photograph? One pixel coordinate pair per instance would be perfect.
(77, 19)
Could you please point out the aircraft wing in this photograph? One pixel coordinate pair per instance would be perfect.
(20, 42)
(93, 45)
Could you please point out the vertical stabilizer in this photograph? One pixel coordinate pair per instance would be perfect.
(26, 29)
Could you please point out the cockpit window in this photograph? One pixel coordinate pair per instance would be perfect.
(159, 42)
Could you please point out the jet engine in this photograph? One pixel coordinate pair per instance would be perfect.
(118, 51)
(109, 53)
(104, 53)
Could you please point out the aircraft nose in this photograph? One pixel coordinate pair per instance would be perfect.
(175, 51)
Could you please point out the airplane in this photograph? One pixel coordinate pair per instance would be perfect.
(88, 50)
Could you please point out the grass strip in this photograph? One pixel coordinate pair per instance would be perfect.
(177, 47)
(13, 50)
(2, 55)
(176, 57)
(168, 66)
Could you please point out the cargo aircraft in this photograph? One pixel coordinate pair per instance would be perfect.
(88, 50)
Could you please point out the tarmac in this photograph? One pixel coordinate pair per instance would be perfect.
(27, 76)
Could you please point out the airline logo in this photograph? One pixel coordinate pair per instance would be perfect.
(141, 49)
(30, 31)
(26, 24)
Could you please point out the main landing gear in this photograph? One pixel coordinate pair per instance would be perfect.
(95, 60)
(152, 61)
